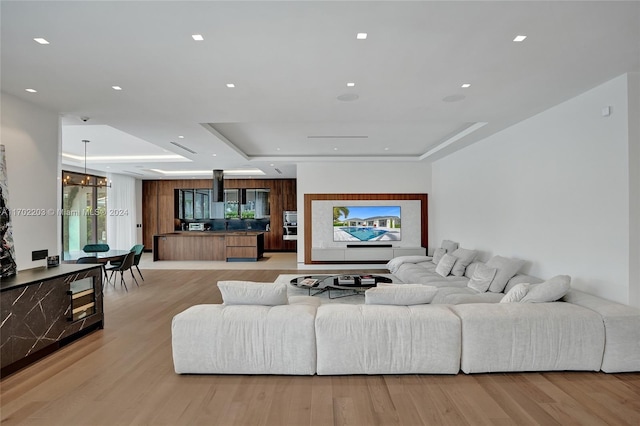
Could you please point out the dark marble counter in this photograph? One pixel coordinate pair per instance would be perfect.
(40, 311)
(36, 275)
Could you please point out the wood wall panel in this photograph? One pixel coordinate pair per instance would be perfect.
(158, 206)
(308, 217)
(149, 212)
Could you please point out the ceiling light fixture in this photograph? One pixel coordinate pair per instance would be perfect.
(465, 85)
(197, 37)
(231, 85)
(31, 90)
(361, 36)
(351, 85)
(116, 87)
(90, 181)
(519, 38)
(40, 40)
(180, 137)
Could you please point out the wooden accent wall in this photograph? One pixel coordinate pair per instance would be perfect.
(308, 198)
(158, 206)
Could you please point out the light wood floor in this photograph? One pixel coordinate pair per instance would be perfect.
(123, 375)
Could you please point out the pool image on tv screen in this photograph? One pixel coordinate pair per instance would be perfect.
(366, 223)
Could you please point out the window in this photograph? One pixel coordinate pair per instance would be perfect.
(84, 219)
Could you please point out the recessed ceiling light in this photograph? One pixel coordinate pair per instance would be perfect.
(519, 38)
(116, 87)
(351, 85)
(40, 40)
(180, 137)
(214, 155)
(465, 85)
(231, 85)
(335, 148)
(386, 149)
(361, 36)
(197, 37)
(271, 164)
(277, 149)
(31, 90)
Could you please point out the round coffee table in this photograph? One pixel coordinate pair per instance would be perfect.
(326, 283)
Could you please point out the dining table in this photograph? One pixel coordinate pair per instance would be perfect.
(103, 257)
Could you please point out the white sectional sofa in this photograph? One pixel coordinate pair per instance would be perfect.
(302, 336)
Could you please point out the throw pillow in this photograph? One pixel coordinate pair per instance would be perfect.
(507, 268)
(516, 293)
(402, 294)
(446, 264)
(548, 291)
(465, 257)
(449, 246)
(482, 277)
(437, 255)
(252, 293)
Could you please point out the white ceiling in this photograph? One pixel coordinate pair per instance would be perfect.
(290, 62)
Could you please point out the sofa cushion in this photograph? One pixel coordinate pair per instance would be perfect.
(516, 293)
(482, 277)
(549, 291)
(529, 337)
(379, 339)
(437, 255)
(507, 268)
(394, 264)
(465, 257)
(622, 330)
(253, 293)
(242, 339)
(449, 246)
(446, 264)
(456, 296)
(400, 294)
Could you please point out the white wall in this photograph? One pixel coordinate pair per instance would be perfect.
(358, 178)
(634, 190)
(553, 190)
(32, 141)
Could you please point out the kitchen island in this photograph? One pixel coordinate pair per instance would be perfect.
(229, 246)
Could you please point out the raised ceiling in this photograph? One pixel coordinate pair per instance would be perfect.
(290, 63)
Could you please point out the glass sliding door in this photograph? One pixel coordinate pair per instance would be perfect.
(83, 212)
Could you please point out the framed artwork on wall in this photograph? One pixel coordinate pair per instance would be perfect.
(7, 252)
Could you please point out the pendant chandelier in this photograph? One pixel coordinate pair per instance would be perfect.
(86, 180)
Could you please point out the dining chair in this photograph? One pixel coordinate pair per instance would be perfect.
(95, 248)
(137, 249)
(126, 264)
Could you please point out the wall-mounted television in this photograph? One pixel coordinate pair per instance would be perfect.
(367, 223)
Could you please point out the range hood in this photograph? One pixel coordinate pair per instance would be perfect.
(218, 186)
